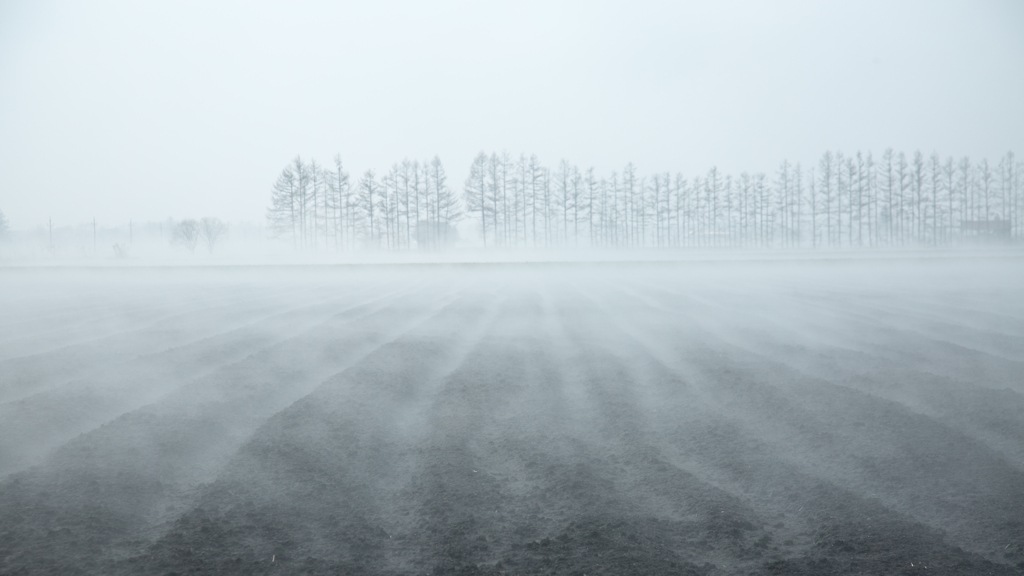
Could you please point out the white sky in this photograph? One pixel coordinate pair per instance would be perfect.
(146, 110)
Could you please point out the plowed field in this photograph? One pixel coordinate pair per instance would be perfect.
(853, 417)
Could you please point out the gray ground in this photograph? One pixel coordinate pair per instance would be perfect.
(705, 418)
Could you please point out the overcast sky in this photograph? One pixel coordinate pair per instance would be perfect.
(150, 110)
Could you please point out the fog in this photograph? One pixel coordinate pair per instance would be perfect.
(490, 289)
(122, 111)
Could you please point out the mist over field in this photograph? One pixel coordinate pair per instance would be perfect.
(773, 416)
(491, 289)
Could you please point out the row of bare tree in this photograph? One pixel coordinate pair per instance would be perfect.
(846, 200)
(411, 205)
(843, 201)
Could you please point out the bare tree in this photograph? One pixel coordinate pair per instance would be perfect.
(1007, 196)
(367, 201)
(965, 183)
(475, 192)
(628, 191)
(576, 202)
(889, 181)
(387, 202)
(917, 182)
(812, 198)
(446, 208)
(827, 167)
(871, 187)
(798, 201)
(948, 175)
(186, 233)
(851, 204)
(495, 170)
(861, 181)
(935, 166)
(316, 181)
(339, 201)
(301, 197)
(5, 227)
(282, 215)
(211, 231)
(591, 203)
(406, 197)
(903, 180)
(782, 188)
(984, 181)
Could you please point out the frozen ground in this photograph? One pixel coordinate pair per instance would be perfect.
(837, 417)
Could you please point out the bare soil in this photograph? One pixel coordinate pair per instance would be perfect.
(843, 418)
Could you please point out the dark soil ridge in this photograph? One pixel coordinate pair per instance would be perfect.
(553, 427)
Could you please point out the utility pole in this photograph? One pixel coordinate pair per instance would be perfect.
(50, 221)
(131, 237)
(94, 235)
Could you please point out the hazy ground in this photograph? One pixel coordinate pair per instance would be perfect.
(821, 417)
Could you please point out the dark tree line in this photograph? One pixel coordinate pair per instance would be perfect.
(842, 201)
